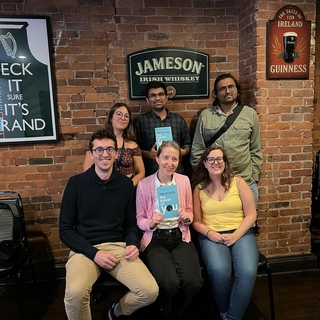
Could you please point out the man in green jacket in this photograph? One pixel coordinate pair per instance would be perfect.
(241, 141)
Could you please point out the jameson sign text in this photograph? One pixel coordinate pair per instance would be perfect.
(184, 71)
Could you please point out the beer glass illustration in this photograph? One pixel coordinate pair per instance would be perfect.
(289, 44)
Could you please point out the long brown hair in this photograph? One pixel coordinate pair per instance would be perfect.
(201, 175)
(128, 133)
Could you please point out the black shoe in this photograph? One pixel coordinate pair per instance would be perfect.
(111, 315)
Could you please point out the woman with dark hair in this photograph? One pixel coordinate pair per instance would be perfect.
(166, 242)
(129, 161)
(224, 211)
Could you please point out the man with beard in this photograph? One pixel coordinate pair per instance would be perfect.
(159, 116)
(241, 141)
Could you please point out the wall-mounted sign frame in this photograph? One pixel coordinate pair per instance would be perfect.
(288, 45)
(27, 94)
(184, 71)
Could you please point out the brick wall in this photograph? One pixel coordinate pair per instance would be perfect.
(285, 108)
(316, 128)
(91, 41)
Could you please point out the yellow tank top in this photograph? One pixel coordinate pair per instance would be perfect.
(222, 215)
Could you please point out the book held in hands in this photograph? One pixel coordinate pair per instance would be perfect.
(162, 134)
(168, 201)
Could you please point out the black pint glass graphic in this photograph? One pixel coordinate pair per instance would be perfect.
(289, 44)
(25, 105)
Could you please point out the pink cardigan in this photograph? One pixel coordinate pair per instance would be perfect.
(145, 206)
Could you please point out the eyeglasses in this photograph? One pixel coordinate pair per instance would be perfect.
(120, 115)
(154, 95)
(230, 87)
(212, 160)
(99, 151)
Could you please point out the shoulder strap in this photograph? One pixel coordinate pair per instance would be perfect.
(229, 121)
(118, 161)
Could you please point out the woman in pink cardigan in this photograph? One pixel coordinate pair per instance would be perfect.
(166, 242)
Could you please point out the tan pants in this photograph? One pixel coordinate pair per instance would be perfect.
(82, 273)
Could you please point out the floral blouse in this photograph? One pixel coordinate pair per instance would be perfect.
(126, 165)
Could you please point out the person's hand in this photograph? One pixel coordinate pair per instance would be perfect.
(153, 152)
(131, 253)
(106, 260)
(184, 216)
(156, 219)
(215, 236)
(229, 239)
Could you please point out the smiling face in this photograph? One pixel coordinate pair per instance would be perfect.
(214, 162)
(103, 162)
(120, 119)
(157, 99)
(168, 161)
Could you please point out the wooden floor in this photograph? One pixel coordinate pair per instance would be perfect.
(296, 295)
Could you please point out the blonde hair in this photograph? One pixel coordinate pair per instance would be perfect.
(171, 144)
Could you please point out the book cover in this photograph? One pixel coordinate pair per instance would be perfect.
(162, 134)
(168, 201)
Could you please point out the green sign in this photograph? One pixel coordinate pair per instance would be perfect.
(184, 71)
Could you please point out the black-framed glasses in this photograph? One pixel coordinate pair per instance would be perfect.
(120, 115)
(154, 95)
(212, 160)
(99, 151)
(230, 87)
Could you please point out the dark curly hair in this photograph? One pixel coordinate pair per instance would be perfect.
(102, 134)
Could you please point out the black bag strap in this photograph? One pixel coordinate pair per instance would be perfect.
(118, 161)
(229, 121)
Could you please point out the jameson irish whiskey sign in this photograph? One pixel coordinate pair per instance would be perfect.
(184, 71)
(288, 45)
(27, 97)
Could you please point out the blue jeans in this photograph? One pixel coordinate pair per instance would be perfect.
(220, 260)
(176, 268)
(254, 188)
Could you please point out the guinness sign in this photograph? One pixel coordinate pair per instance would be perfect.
(184, 71)
(288, 45)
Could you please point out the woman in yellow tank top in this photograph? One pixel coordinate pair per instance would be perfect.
(224, 211)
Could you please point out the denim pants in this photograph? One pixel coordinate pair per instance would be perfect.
(254, 188)
(175, 266)
(242, 258)
(82, 273)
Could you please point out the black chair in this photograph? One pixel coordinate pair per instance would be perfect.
(264, 266)
(105, 285)
(15, 259)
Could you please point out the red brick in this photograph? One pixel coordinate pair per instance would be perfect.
(90, 49)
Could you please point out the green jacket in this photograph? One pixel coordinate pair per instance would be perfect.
(241, 141)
